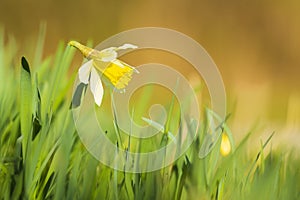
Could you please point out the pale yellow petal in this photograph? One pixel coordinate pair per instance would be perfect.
(107, 55)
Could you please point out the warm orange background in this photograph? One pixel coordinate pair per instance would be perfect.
(255, 44)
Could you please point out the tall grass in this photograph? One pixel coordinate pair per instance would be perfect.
(41, 156)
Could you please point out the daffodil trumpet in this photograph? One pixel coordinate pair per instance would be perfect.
(117, 72)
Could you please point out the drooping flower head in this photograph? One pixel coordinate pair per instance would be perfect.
(117, 72)
(225, 145)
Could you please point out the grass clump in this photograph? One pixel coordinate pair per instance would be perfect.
(41, 156)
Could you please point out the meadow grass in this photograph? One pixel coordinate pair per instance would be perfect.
(42, 157)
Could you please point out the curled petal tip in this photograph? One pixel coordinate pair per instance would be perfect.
(128, 46)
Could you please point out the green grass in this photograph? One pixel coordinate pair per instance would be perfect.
(41, 156)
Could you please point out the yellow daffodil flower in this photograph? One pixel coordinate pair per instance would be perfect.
(225, 145)
(105, 61)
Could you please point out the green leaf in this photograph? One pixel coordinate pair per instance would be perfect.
(77, 97)
(26, 104)
(25, 65)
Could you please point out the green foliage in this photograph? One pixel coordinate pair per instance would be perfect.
(41, 156)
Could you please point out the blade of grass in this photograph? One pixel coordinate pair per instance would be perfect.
(257, 157)
(26, 105)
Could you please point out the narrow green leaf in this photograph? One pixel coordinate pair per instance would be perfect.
(26, 105)
(77, 97)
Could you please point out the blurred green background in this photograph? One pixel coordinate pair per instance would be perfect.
(255, 44)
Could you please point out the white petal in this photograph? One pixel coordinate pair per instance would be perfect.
(127, 46)
(84, 72)
(110, 49)
(108, 54)
(96, 86)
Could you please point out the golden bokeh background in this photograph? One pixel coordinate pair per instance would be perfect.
(255, 44)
